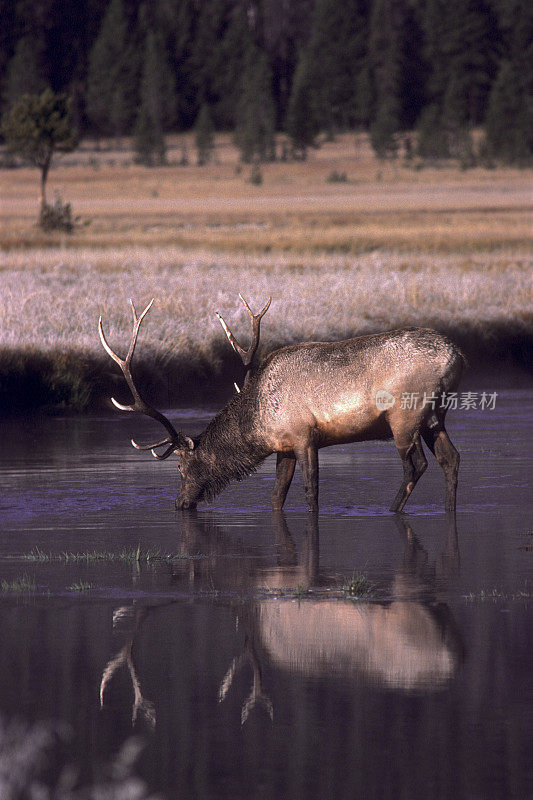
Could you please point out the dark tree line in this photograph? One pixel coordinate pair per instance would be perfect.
(302, 66)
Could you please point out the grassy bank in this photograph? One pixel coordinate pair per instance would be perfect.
(50, 352)
(389, 246)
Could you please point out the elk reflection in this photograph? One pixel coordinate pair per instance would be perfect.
(409, 642)
(129, 618)
(406, 641)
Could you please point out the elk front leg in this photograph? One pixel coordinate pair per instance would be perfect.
(308, 461)
(285, 464)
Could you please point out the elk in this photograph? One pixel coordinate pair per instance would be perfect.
(307, 396)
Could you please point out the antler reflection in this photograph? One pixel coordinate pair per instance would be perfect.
(141, 706)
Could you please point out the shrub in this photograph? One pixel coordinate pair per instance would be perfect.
(58, 216)
(256, 176)
(337, 177)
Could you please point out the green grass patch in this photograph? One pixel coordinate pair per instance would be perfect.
(126, 556)
(497, 595)
(80, 586)
(358, 585)
(24, 584)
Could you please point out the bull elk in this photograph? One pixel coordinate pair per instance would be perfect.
(312, 395)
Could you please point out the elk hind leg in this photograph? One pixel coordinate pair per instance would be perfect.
(308, 461)
(285, 465)
(442, 448)
(414, 465)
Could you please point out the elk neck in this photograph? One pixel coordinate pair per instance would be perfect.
(229, 449)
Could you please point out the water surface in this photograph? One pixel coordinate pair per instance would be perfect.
(353, 654)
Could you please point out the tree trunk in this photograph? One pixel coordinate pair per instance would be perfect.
(44, 175)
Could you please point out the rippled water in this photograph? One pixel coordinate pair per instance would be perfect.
(356, 654)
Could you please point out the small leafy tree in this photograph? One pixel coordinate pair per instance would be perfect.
(35, 128)
(204, 135)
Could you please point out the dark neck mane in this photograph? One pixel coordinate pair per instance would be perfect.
(228, 448)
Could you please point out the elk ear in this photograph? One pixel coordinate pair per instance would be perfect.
(189, 442)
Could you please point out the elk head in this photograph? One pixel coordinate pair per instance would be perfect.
(175, 441)
(205, 462)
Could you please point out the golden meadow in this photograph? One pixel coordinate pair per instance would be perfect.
(343, 243)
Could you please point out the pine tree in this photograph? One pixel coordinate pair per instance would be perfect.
(455, 119)
(204, 135)
(432, 137)
(383, 132)
(227, 83)
(157, 107)
(285, 28)
(385, 59)
(112, 75)
(255, 122)
(335, 57)
(462, 41)
(413, 69)
(509, 122)
(23, 73)
(303, 118)
(182, 25)
(365, 96)
(206, 58)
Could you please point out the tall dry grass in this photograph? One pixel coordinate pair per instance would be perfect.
(51, 301)
(391, 247)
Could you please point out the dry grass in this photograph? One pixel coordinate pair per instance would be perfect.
(51, 298)
(295, 210)
(439, 247)
(51, 301)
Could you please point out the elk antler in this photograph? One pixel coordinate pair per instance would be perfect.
(246, 355)
(175, 439)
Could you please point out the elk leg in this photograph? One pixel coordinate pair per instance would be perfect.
(308, 461)
(285, 464)
(442, 448)
(414, 465)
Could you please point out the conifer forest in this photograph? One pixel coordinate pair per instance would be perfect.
(303, 67)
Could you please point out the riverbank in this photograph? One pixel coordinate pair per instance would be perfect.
(50, 353)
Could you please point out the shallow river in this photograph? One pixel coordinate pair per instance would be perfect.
(359, 654)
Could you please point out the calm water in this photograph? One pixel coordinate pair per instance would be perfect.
(241, 662)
